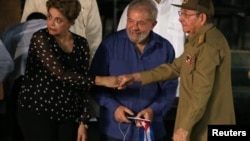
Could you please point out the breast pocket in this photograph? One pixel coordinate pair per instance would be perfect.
(187, 69)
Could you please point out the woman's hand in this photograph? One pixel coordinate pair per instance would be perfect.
(128, 79)
(147, 114)
(82, 133)
(107, 81)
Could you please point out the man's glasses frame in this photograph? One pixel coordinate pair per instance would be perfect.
(185, 15)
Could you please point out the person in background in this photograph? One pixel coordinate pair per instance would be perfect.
(204, 70)
(52, 104)
(17, 40)
(6, 66)
(136, 48)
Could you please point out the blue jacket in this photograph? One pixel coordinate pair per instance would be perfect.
(6, 62)
(117, 55)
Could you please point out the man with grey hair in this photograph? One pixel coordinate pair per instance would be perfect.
(133, 49)
(205, 74)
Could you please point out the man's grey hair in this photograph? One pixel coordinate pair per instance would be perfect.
(147, 5)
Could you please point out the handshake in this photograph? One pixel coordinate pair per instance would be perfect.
(117, 82)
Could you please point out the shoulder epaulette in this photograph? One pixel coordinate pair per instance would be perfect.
(201, 39)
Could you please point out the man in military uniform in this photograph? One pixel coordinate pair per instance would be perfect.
(205, 74)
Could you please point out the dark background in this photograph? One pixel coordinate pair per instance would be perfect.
(232, 17)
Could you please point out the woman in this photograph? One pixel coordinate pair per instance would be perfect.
(52, 104)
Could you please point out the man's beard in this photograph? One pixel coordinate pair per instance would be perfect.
(141, 38)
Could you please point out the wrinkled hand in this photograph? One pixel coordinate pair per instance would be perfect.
(82, 133)
(120, 82)
(145, 114)
(121, 114)
(180, 135)
(125, 80)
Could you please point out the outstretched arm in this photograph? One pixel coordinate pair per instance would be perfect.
(107, 81)
(160, 73)
(128, 79)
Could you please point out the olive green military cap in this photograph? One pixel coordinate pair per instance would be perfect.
(204, 6)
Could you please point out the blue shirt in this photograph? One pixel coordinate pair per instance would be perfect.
(117, 55)
(17, 41)
(6, 62)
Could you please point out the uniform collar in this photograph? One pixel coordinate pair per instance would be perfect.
(199, 37)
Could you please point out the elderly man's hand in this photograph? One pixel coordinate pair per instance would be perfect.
(128, 79)
(121, 114)
(180, 135)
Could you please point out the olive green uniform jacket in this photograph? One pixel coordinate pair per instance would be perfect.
(205, 82)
